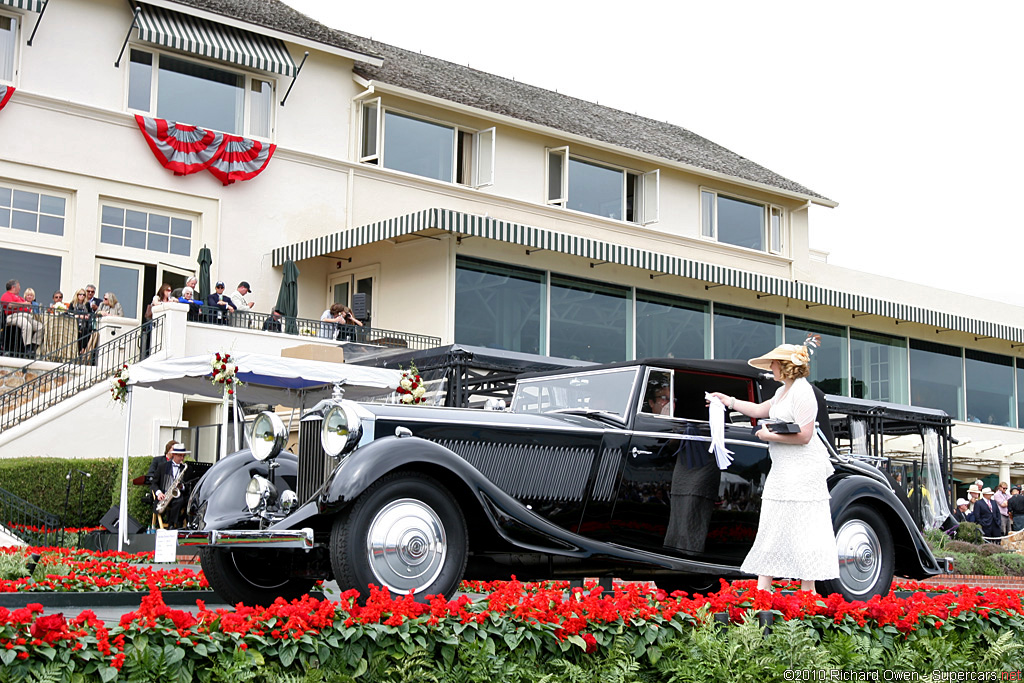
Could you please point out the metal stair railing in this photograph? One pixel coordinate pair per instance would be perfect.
(64, 381)
(26, 520)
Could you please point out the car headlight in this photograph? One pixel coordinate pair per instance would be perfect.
(259, 490)
(341, 430)
(268, 436)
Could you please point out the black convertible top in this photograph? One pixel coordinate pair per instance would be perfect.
(738, 368)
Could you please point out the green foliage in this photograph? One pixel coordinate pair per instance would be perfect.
(969, 532)
(42, 482)
(13, 565)
(989, 549)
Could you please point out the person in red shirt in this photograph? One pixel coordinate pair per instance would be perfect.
(21, 317)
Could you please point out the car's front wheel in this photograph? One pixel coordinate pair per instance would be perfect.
(405, 533)
(866, 555)
(252, 577)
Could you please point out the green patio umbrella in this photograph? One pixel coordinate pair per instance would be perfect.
(288, 297)
(205, 259)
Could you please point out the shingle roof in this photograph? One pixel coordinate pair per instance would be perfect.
(474, 88)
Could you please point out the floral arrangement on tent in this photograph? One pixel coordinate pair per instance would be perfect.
(410, 388)
(119, 384)
(225, 373)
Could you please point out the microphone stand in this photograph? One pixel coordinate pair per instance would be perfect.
(63, 517)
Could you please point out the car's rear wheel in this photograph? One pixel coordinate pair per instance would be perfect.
(405, 533)
(866, 555)
(252, 577)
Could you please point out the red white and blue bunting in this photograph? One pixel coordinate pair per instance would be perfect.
(5, 94)
(184, 149)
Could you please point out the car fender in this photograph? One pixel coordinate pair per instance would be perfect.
(218, 500)
(916, 559)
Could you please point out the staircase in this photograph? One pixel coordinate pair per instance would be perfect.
(28, 392)
(18, 518)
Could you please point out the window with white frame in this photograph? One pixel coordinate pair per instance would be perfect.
(601, 189)
(742, 222)
(31, 211)
(161, 232)
(420, 146)
(183, 90)
(8, 47)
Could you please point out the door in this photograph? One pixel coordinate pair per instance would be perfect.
(342, 286)
(125, 281)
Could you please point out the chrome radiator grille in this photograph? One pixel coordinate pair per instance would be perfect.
(314, 463)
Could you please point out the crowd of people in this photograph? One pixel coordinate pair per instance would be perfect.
(998, 513)
(26, 320)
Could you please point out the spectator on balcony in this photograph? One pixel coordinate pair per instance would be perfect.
(19, 314)
(90, 295)
(193, 306)
(273, 321)
(162, 296)
(58, 302)
(219, 305)
(110, 306)
(242, 297)
(192, 282)
(82, 310)
(30, 298)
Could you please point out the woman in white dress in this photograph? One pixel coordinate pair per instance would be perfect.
(794, 536)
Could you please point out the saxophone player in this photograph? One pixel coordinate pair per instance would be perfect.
(163, 483)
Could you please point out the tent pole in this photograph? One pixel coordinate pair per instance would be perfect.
(224, 426)
(234, 403)
(122, 516)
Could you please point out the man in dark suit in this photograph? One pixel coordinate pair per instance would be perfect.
(962, 514)
(986, 515)
(163, 480)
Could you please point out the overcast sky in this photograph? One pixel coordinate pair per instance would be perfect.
(906, 113)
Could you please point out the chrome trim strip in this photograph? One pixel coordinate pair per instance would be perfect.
(289, 538)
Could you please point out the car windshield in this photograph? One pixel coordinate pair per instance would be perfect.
(606, 391)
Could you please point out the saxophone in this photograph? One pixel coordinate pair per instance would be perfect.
(174, 491)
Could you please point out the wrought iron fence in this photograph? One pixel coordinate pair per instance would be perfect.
(315, 329)
(26, 520)
(66, 380)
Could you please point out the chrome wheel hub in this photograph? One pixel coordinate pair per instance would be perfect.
(406, 545)
(860, 561)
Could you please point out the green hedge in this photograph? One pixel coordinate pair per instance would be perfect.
(41, 481)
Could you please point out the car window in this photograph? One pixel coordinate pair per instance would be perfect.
(657, 397)
(691, 386)
(609, 391)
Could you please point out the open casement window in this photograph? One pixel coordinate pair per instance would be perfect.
(650, 186)
(369, 144)
(742, 222)
(483, 158)
(558, 176)
(8, 47)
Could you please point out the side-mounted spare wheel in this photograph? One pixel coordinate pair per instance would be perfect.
(866, 555)
(404, 533)
(250, 576)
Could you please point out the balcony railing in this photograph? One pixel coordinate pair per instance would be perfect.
(314, 329)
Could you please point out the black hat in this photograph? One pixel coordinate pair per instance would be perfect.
(245, 284)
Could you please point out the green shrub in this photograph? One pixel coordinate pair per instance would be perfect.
(13, 565)
(961, 547)
(1012, 563)
(989, 549)
(42, 482)
(969, 532)
(963, 563)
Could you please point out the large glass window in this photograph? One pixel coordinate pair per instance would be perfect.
(671, 327)
(741, 222)
(8, 47)
(745, 333)
(145, 230)
(499, 306)
(198, 94)
(828, 362)
(878, 367)
(600, 189)
(125, 283)
(32, 211)
(1020, 391)
(937, 377)
(420, 147)
(41, 272)
(589, 320)
(989, 388)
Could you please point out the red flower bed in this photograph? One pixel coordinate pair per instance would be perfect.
(111, 571)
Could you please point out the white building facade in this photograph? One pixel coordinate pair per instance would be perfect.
(463, 205)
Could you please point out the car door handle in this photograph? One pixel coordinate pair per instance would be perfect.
(636, 451)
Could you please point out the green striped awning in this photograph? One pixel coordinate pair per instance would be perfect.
(464, 224)
(30, 5)
(216, 41)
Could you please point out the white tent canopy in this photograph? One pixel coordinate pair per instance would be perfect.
(266, 379)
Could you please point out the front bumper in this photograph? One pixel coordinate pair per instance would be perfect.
(299, 539)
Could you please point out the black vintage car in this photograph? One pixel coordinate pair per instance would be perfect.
(588, 473)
